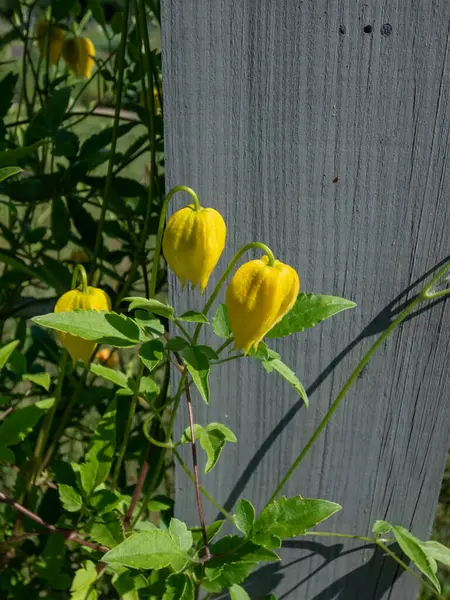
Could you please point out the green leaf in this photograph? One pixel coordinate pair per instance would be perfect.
(381, 527)
(100, 140)
(153, 306)
(100, 326)
(6, 172)
(97, 11)
(6, 351)
(83, 221)
(70, 498)
(186, 437)
(221, 324)
(15, 428)
(101, 452)
(224, 430)
(128, 584)
(180, 534)
(66, 144)
(238, 593)
(151, 327)
(7, 455)
(116, 377)
(84, 578)
(192, 316)
(7, 89)
(108, 530)
(47, 121)
(60, 223)
(437, 551)
(309, 310)
(148, 550)
(211, 531)
(289, 517)
(212, 443)
(49, 564)
(10, 158)
(149, 386)
(151, 353)
(176, 344)
(244, 517)
(179, 587)
(279, 366)
(198, 366)
(42, 379)
(413, 549)
(104, 501)
(160, 503)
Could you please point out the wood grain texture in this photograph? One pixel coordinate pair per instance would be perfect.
(266, 103)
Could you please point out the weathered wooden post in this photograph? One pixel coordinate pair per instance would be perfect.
(323, 128)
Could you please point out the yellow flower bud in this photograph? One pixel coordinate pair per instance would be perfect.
(257, 298)
(91, 299)
(79, 55)
(56, 34)
(193, 242)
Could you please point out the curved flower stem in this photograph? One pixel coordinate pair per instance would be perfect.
(159, 236)
(224, 345)
(126, 434)
(234, 260)
(425, 292)
(421, 297)
(109, 174)
(152, 440)
(207, 495)
(81, 272)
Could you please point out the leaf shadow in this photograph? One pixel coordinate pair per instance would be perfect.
(379, 324)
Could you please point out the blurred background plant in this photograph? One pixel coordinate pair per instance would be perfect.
(84, 123)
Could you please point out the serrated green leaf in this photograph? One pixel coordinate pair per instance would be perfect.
(151, 353)
(104, 501)
(48, 564)
(116, 377)
(224, 430)
(211, 531)
(47, 121)
(99, 457)
(198, 366)
(413, 549)
(160, 503)
(238, 593)
(42, 379)
(186, 436)
(380, 527)
(176, 344)
(6, 172)
(437, 551)
(70, 498)
(9, 158)
(148, 550)
(244, 517)
(149, 386)
(233, 548)
(153, 306)
(100, 326)
(6, 351)
(279, 366)
(175, 587)
(308, 311)
(221, 324)
(20, 423)
(193, 316)
(128, 583)
(289, 517)
(85, 577)
(102, 139)
(180, 534)
(107, 530)
(212, 443)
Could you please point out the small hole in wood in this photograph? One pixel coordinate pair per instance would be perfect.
(342, 29)
(386, 29)
(368, 29)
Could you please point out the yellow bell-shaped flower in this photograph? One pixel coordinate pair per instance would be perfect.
(56, 38)
(79, 53)
(91, 299)
(257, 298)
(193, 242)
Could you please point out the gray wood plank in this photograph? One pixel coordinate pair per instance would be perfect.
(266, 103)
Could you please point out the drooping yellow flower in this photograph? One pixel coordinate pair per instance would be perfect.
(257, 298)
(56, 38)
(91, 299)
(79, 53)
(193, 242)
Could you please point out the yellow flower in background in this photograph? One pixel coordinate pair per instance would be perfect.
(193, 242)
(107, 356)
(257, 298)
(55, 42)
(91, 299)
(79, 53)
